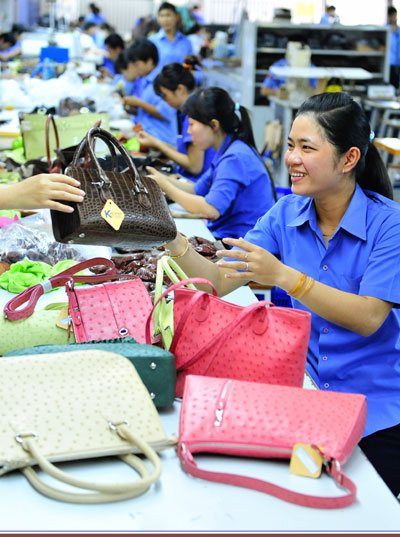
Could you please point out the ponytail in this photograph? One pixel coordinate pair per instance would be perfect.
(379, 181)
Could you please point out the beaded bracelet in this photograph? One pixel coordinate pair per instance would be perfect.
(183, 252)
(298, 285)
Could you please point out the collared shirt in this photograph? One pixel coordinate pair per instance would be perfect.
(238, 186)
(171, 51)
(362, 257)
(163, 129)
(182, 141)
(270, 81)
(394, 46)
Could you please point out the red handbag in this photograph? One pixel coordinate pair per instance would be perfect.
(215, 338)
(251, 419)
(107, 311)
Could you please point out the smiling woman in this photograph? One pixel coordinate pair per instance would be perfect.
(333, 245)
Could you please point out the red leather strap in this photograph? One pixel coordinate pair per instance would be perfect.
(321, 502)
(212, 347)
(171, 288)
(32, 294)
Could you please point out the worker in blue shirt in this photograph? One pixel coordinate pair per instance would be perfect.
(172, 45)
(126, 75)
(237, 189)
(7, 44)
(154, 115)
(333, 246)
(330, 16)
(175, 83)
(113, 46)
(394, 47)
(94, 16)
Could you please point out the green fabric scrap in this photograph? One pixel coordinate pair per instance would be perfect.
(26, 273)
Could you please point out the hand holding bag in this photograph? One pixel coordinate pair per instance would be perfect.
(105, 311)
(92, 404)
(147, 221)
(216, 338)
(215, 419)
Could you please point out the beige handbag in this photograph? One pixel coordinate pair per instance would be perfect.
(78, 405)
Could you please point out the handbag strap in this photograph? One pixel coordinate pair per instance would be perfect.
(32, 294)
(50, 120)
(105, 491)
(214, 344)
(322, 502)
(171, 288)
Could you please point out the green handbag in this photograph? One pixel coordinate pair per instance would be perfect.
(163, 315)
(38, 329)
(155, 366)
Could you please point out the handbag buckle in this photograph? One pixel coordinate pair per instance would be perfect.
(115, 424)
(19, 437)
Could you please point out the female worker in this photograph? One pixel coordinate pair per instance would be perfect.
(237, 189)
(174, 84)
(333, 245)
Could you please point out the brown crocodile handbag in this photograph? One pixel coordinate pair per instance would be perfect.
(146, 219)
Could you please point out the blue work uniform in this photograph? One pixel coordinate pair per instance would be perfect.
(182, 141)
(394, 47)
(171, 51)
(238, 186)
(163, 129)
(362, 257)
(96, 19)
(270, 81)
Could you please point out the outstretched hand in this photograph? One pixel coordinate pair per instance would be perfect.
(42, 192)
(255, 263)
(158, 177)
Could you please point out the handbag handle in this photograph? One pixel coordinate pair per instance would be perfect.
(105, 491)
(212, 347)
(333, 469)
(98, 132)
(32, 294)
(50, 119)
(171, 288)
(61, 157)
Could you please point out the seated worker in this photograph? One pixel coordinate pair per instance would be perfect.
(175, 83)
(94, 16)
(271, 83)
(171, 44)
(16, 50)
(333, 245)
(330, 16)
(92, 30)
(155, 115)
(237, 190)
(113, 46)
(43, 191)
(7, 44)
(125, 77)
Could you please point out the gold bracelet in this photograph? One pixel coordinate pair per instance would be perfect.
(298, 285)
(306, 288)
(182, 253)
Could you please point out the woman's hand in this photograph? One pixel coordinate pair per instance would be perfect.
(258, 265)
(41, 192)
(158, 177)
(130, 100)
(147, 139)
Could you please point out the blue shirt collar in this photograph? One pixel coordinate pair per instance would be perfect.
(149, 79)
(163, 35)
(221, 150)
(353, 221)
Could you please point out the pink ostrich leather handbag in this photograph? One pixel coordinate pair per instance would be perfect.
(250, 419)
(216, 338)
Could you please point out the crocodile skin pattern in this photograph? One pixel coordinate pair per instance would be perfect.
(276, 356)
(107, 308)
(147, 223)
(276, 417)
(67, 399)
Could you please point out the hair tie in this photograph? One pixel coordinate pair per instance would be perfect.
(188, 66)
(371, 136)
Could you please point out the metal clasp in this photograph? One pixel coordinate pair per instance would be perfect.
(115, 424)
(19, 437)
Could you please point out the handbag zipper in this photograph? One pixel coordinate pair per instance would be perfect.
(219, 411)
(239, 446)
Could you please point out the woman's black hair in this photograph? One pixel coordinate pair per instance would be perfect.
(94, 9)
(8, 37)
(345, 125)
(210, 103)
(171, 76)
(114, 41)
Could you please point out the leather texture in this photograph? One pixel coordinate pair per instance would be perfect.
(73, 406)
(261, 420)
(155, 366)
(110, 310)
(147, 223)
(216, 338)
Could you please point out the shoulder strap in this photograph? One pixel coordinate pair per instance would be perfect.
(321, 502)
